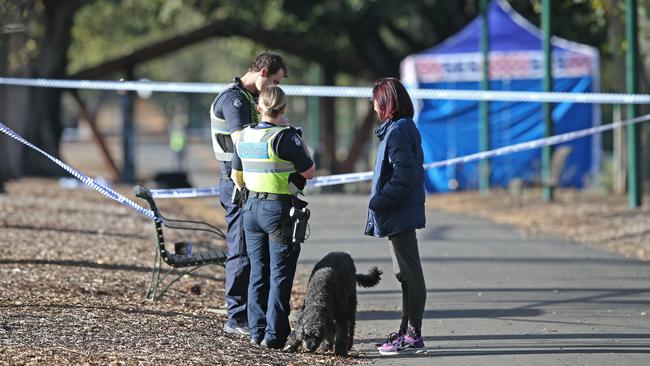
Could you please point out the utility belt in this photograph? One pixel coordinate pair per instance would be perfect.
(271, 196)
(294, 227)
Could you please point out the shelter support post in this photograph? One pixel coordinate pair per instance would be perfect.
(633, 140)
(484, 183)
(328, 125)
(619, 162)
(128, 132)
(313, 111)
(547, 151)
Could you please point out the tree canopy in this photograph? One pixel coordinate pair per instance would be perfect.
(362, 38)
(211, 40)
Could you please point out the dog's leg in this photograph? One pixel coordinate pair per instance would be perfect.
(351, 331)
(352, 320)
(341, 346)
(292, 343)
(328, 338)
(328, 343)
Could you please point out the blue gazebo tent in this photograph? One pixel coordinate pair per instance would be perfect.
(451, 128)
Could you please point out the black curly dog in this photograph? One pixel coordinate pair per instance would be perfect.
(330, 305)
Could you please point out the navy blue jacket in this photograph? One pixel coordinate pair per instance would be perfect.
(397, 197)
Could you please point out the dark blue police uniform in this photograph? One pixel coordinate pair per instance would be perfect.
(273, 258)
(235, 108)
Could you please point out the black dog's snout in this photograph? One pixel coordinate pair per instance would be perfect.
(310, 344)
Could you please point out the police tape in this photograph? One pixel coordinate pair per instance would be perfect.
(106, 191)
(331, 179)
(338, 179)
(529, 145)
(338, 91)
(185, 192)
(546, 141)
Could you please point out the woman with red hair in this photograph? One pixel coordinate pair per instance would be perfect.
(396, 207)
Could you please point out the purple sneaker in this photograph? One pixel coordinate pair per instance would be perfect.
(391, 348)
(390, 339)
(413, 342)
(409, 343)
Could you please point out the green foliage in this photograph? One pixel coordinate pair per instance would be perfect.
(363, 39)
(355, 40)
(106, 29)
(582, 21)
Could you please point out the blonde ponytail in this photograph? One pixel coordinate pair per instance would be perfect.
(271, 101)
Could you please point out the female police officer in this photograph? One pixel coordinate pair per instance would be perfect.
(272, 160)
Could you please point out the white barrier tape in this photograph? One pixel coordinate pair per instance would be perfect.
(340, 91)
(331, 180)
(185, 192)
(547, 141)
(108, 192)
(146, 86)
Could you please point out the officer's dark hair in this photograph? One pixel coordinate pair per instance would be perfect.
(271, 61)
(392, 98)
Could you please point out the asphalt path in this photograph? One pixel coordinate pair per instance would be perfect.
(494, 297)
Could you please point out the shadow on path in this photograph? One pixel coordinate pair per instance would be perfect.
(446, 314)
(516, 350)
(91, 264)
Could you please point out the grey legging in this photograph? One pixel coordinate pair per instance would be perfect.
(408, 270)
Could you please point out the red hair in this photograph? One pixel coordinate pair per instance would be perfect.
(392, 99)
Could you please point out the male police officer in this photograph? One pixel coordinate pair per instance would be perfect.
(232, 110)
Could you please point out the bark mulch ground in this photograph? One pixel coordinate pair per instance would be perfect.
(73, 272)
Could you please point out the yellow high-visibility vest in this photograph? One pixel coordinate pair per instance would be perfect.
(264, 171)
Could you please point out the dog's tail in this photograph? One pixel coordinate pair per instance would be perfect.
(370, 279)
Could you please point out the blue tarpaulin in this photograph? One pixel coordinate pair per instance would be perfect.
(451, 128)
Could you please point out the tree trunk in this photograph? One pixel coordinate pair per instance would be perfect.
(4, 140)
(44, 126)
(13, 100)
